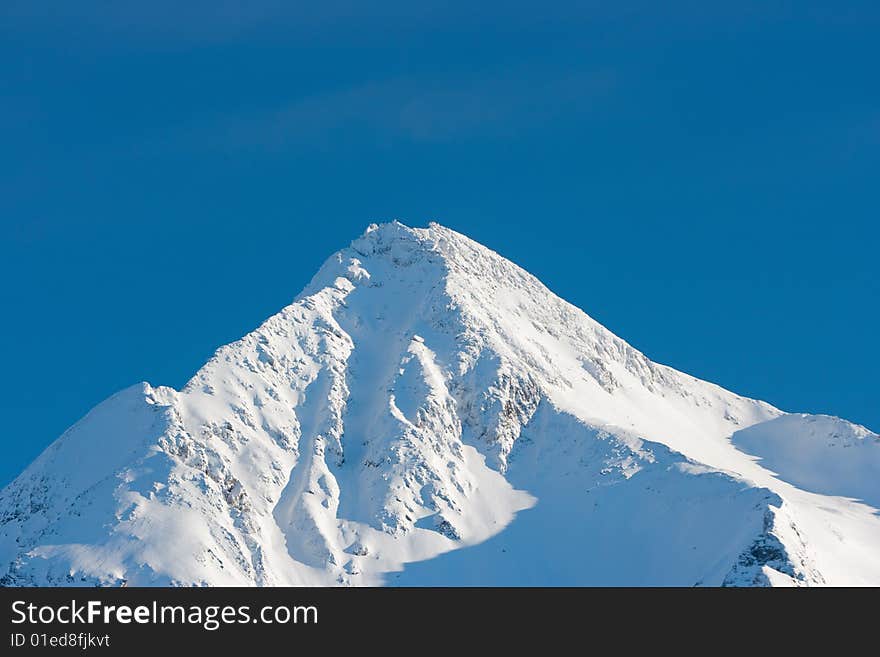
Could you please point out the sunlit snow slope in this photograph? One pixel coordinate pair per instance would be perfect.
(426, 412)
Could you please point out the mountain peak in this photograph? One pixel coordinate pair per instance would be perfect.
(417, 397)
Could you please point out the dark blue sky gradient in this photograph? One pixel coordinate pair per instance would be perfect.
(702, 180)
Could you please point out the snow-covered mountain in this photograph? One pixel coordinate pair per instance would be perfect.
(426, 412)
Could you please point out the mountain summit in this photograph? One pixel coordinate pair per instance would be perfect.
(426, 412)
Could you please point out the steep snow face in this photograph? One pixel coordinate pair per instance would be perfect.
(426, 412)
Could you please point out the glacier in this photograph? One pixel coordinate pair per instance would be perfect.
(426, 412)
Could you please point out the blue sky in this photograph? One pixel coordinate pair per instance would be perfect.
(702, 180)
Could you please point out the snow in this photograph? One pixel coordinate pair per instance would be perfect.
(818, 453)
(427, 412)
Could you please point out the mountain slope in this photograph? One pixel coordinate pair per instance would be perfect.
(426, 412)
